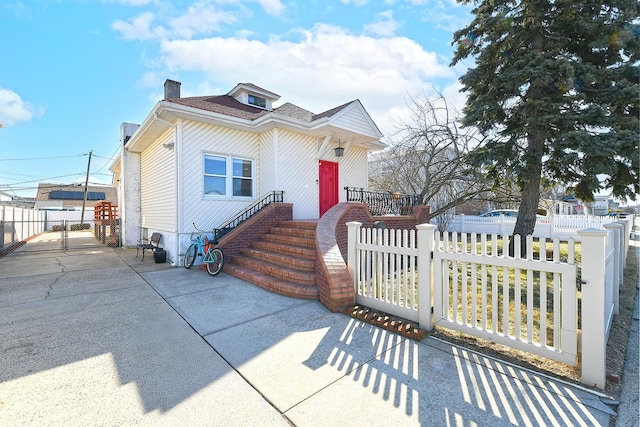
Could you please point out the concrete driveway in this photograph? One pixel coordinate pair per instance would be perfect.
(96, 337)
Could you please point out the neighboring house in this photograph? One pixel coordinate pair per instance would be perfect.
(204, 159)
(72, 196)
(601, 205)
(8, 199)
(568, 204)
(4, 197)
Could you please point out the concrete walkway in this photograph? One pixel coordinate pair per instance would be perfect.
(96, 337)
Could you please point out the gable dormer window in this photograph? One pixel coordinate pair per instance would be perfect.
(257, 101)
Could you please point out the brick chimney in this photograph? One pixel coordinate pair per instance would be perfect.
(171, 89)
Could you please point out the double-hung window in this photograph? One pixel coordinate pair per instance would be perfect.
(242, 179)
(228, 176)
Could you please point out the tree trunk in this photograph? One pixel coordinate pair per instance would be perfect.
(529, 180)
(527, 213)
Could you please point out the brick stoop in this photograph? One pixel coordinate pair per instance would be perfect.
(282, 261)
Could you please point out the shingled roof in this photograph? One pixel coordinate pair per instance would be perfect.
(229, 106)
(222, 104)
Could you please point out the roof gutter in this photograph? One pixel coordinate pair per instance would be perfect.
(160, 119)
(143, 128)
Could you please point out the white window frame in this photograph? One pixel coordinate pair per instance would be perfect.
(229, 177)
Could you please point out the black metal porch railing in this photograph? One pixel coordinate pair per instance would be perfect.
(273, 197)
(384, 202)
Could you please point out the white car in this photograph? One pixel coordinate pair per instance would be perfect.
(500, 212)
(512, 213)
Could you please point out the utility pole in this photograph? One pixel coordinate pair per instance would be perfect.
(86, 187)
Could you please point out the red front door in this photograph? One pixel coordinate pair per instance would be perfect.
(328, 184)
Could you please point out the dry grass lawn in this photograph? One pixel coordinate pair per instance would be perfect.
(616, 347)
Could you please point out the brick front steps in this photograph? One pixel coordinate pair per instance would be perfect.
(282, 261)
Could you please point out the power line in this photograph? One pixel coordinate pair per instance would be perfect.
(16, 173)
(42, 158)
(102, 157)
(42, 179)
(109, 160)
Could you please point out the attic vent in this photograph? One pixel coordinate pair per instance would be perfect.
(257, 101)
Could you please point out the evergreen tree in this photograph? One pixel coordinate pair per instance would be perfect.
(555, 88)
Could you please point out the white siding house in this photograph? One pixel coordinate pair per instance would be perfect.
(204, 159)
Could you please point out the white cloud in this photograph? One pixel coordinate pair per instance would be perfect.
(448, 16)
(413, 2)
(454, 96)
(14, 109)
(356, 3)
(199, 19)
(384, 26)
(327, 66)
(272, 7)
(132, 2)
(140, 28)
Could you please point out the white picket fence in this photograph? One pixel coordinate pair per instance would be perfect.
(480, 291)
(560, 226)
(472, 286)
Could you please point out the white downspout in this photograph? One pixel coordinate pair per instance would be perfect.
(178, 182)
(276, 150)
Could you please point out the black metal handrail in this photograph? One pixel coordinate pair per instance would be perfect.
(384, 202)
(273, 197)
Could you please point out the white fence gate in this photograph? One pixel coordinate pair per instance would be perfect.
(385, 269)
(473, 286)
(529, 304)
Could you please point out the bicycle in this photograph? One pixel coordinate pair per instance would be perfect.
(212, 258)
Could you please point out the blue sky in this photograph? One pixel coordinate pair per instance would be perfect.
(71, 71)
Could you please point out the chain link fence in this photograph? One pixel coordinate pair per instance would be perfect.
(19, 225)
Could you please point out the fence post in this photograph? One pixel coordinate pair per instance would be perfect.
(352, 241)
(594, 322)
(63, 235)
(617, 231)
(425, 275)
(628, 226)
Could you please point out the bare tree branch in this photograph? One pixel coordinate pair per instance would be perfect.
(428, 157)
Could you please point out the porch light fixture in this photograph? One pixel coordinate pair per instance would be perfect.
(168, 145)
(339, 150)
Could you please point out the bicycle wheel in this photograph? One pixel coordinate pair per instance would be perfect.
(190, 256)
(215, 261)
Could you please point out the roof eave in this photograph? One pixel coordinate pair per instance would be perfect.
(165, 114)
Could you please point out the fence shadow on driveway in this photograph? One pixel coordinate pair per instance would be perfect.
(323, 368)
